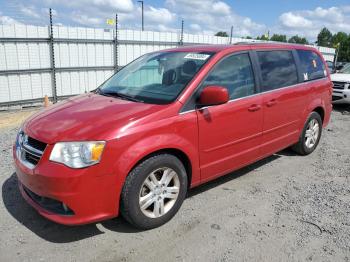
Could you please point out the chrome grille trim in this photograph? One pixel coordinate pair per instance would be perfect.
(339, 85)
(26, 153)
(32, 150)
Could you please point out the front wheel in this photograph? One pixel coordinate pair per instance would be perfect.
(310, 136)
(154, 191)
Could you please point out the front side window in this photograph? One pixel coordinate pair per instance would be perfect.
(312, 66)
(234, 73)
(278, 69)
(155, 78)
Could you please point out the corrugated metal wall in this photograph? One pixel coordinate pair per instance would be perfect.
(84, 57)
(328, 53)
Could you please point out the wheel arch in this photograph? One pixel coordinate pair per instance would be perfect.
(139, 150)
(320, 110)
(316, 105)
(181, 155)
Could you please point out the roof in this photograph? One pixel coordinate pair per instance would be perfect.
(202, 48)
(218, 48)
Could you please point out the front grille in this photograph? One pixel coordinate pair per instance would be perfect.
(338, 85)
(49, 204)
(36, 144)
(335, 98)
(29, 150)
(33, 159)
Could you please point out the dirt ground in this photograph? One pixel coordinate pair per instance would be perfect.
(283, 208)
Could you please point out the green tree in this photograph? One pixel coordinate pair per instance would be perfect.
(248, 37)
(262, 37)
(346, 45)
(221, 33)
(324, 38)
(339, 37)
(278, 38)
(340, 41)
(298, 40)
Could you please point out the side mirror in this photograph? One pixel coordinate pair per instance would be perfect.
(213, 95)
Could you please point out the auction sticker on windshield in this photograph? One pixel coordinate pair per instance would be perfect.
(197, 56)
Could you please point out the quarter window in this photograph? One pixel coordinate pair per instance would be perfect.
(234, 73)
(278, 69)
(312, 66)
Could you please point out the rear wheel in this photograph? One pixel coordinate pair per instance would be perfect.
(310, 135)
(154, 191)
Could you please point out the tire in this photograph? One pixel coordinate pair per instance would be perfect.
(140, 189)
(303, 147)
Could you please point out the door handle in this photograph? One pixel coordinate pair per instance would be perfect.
(272, 102)
(254, 108)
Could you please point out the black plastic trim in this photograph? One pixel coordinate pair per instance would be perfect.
(48, 204)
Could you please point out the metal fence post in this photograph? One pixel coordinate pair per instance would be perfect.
(182, 33)
(116, 44)
(52, 60)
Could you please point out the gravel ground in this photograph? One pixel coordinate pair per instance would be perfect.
(283, 208)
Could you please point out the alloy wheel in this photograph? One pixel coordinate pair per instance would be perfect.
(159, 192)
(312, 133)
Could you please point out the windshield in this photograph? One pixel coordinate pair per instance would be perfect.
(345, 69)
(156, 78)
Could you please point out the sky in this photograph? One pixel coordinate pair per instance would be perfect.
(248, 18)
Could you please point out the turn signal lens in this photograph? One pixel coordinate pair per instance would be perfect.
(96, 151)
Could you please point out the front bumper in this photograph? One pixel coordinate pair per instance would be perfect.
(341, 96)
(89, 194)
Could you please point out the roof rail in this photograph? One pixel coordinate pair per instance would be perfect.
(257, 42)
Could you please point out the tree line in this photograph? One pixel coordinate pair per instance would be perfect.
(275, 37)
(339, 40)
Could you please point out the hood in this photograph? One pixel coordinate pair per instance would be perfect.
(86, 117)
(341, 77)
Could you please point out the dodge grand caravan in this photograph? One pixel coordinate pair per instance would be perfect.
(167, 122)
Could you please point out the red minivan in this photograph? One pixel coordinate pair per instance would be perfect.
(167, 122)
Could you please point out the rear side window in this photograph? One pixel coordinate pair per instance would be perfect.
(278, 69)
(312, 66)
(235, 73)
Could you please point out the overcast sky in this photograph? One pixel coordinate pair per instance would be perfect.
(252, 18)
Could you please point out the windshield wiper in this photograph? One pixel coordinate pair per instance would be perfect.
(98, 91)
(119, 95)
(127, 97)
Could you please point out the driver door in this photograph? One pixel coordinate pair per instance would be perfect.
(230, 134)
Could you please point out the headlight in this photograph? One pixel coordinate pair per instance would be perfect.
(19, 138)
(78, 154)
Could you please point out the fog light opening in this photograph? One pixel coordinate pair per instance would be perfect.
(65, 208)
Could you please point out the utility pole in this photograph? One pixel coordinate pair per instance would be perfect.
(231, 34)
(142, 14)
